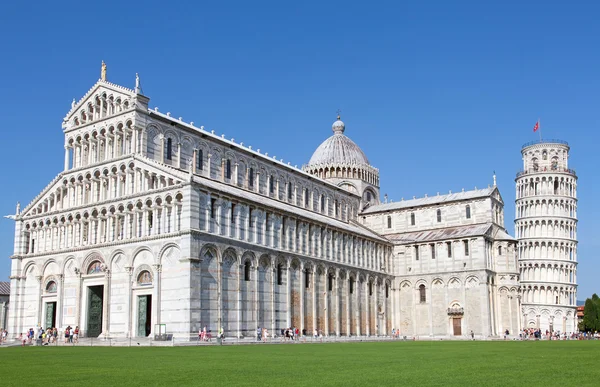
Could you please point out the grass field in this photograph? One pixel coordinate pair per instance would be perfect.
(571, 363)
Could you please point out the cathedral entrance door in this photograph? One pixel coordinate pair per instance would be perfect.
(456, 324)
(94, 312)
(144, 316)
(50, 315)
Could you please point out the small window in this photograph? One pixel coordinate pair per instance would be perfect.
(271, 184)
(306, 279)
(330, 283)
(432, 250)
(368, 196)
(199, 159)
(232, 213)
(306, 197)
(466, 248)
(169, 149)
(322, 203)
(416, 253)
(51, 287)
(290, 190)
(468, 211)
(499, 250)
(280, 274)
(387, 291)
(449, 248)
(556, 300)
(251, 177)
(370, 288)
(389, 222)
(95, 267)
(247, 271)
(544, 155)
(422, 294)
(228, 169)
(144, 278)
(439, 215)
(250, 219)
(335, 208)
(213, 207)
(351, 286)
(412, 219)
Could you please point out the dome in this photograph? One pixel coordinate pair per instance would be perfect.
(338, 149)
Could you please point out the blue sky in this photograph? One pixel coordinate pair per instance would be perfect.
(438, 94)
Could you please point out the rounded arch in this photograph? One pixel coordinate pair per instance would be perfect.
(91, 257)
(139, 251)
(209, 252)
(48, 263)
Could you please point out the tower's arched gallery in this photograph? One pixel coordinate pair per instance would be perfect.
(156, 221)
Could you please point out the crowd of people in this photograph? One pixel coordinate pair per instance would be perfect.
(538, 334)
(41, 336)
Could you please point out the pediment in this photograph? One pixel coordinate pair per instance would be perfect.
(496, 195)
(46, 201)
(103, 95)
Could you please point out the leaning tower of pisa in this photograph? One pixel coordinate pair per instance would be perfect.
(546, 227)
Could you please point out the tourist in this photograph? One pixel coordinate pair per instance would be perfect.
(472, 335)
(76, 335)
(71, 333)
(199, 334)
(258, 334)
(222, 334)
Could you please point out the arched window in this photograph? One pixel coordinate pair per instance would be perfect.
(468, 211)
(422, 294)
(95, 267)
(387, 291)
(439, 215)
(280, 274)
(351, 286)
(368, 196)
(251, 177)
(51, 287)
(228, 169)
(199, 159)
(330, 283)
(306, 197)
(544, 155)
(290, 190)
(169, 149)
(271, 184)
(247, 271)
(322, 203)
(144, 278)
(389, 221)
(499, 250)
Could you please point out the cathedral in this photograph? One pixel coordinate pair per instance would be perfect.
(156, 225)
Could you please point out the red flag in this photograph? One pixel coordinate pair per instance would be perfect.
(536, 127)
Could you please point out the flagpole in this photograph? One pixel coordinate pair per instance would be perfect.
(540, 128)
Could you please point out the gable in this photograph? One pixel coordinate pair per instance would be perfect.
(50, 199)
(103, 99)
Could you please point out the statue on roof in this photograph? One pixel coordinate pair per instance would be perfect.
(103, 71)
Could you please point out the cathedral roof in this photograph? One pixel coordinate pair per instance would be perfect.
(440, 234)
(4, 288)
(338, 149)
(432, 200)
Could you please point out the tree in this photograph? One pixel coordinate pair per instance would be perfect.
(591, 314)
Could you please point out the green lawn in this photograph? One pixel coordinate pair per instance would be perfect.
(558, 363)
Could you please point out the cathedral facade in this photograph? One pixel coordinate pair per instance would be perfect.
(157, 224)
